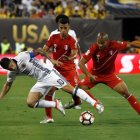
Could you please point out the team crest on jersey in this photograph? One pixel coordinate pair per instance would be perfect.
(98, 57)
(66, 47)
(23, 65)
(111, 52)
(55, 45)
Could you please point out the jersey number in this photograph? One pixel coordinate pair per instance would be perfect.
(60, 81)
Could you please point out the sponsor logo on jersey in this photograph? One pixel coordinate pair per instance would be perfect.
(111, 52)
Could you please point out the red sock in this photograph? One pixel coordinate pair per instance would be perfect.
(48, 111)
(134, 103)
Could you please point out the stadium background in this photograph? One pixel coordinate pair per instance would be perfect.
(119, 122)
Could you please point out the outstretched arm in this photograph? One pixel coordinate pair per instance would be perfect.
(135, 43)
(82, 66)
(5, 89)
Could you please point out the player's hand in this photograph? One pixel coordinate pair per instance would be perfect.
(135, 43)
(92, 77)
(57, 63)
(65, 58)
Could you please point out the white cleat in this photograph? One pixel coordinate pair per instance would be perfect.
(49, 120)
(77, 107)
(59, 107)
(100, 108)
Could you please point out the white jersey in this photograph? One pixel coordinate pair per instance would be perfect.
(29, 65)
(71, 33)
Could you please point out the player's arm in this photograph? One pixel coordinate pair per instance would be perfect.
(79, 50)
(135, 43)
(82, 66)
(45, 54)
(72, 56)
(5, 89)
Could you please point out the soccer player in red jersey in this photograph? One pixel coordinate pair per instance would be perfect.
(103, 53)
(64, 50)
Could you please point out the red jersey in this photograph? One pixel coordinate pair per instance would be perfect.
(104, 60)
(62, 47)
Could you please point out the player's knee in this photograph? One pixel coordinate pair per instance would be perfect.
(83, 87)
(68, 88)
(30, 103)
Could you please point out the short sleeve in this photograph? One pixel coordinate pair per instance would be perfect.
(49, 41)
(89, 53)
(11, 76)
(73, 44)
(120, 45)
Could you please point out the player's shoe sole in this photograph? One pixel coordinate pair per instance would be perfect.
(59, 106)
(49, 120)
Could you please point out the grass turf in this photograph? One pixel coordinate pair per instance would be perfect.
(118, 122)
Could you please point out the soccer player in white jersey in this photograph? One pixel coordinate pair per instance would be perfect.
(47, 78)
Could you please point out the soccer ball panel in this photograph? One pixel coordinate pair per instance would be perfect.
(86, 118)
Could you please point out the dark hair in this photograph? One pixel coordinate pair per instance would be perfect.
(64, 21)
(5, 62)
(57, 20)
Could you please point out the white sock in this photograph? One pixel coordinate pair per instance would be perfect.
(84, 96)
(44, 104)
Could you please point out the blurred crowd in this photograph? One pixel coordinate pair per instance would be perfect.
(7, 48)
(89, 9)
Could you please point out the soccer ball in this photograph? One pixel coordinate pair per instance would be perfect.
(86, 118)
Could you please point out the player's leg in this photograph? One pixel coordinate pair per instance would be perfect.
(34, 101)
(48, 111)
(72, 77)
(119, 86)
(84, 96)
(84, 84)
(122, 89)
(39, 90)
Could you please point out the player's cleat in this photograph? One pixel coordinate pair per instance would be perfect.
(70, 105)
(59, 106)
(49, 120)
(100, 108)
(77, 107)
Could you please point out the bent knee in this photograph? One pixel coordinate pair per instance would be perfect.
(30, 103)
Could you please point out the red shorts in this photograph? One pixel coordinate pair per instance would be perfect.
(71, 76)
(110, 80)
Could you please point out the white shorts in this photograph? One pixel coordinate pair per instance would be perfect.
(54, 79)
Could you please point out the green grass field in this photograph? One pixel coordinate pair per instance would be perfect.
(118, 122)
